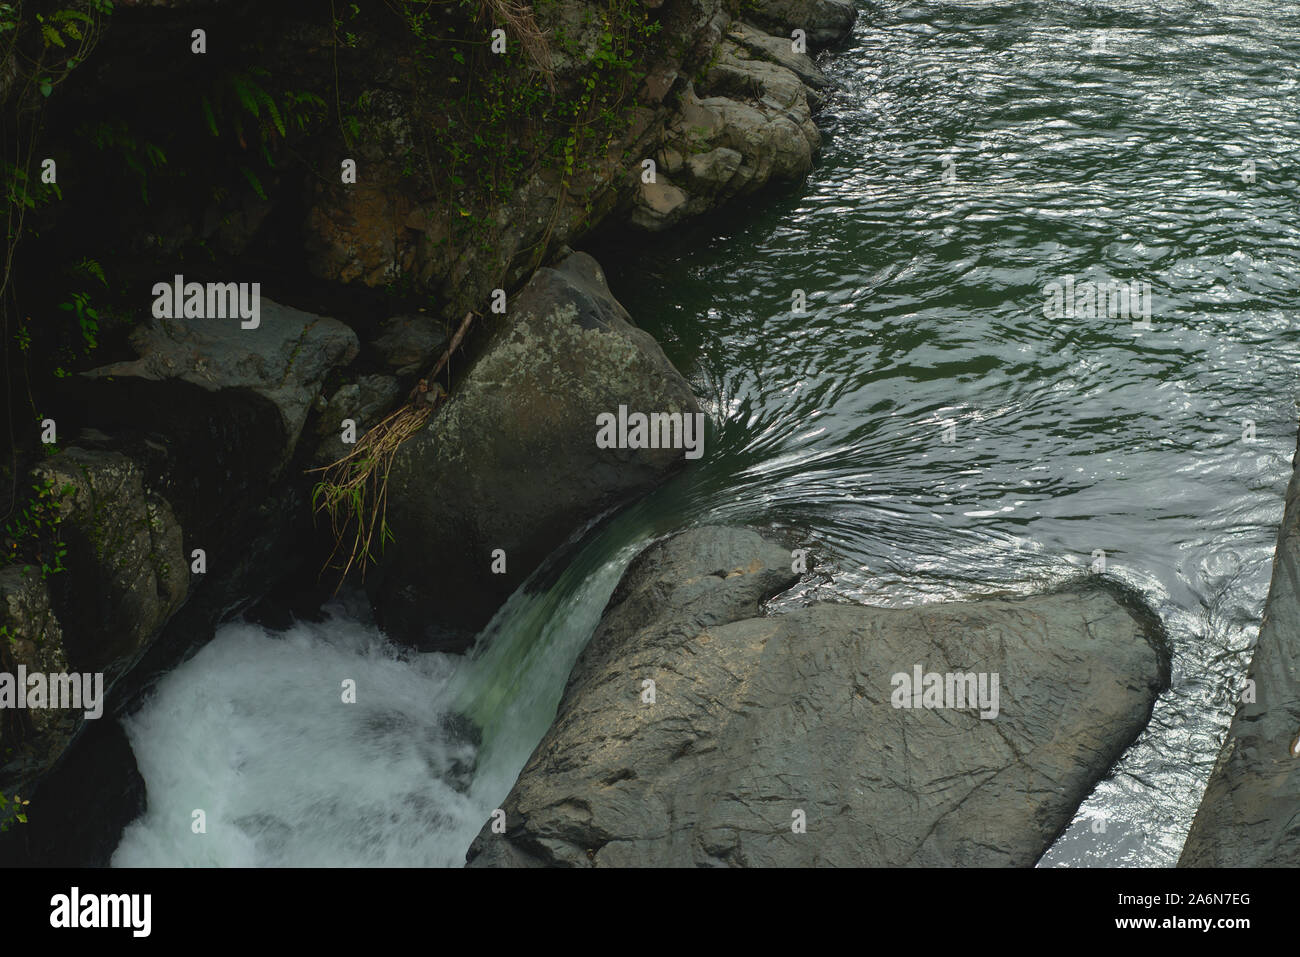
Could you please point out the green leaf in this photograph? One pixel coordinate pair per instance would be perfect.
(208, 115)
(246, 95)
(253, 181)
(93, 268)
(271, 109)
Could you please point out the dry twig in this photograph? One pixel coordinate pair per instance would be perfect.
(354, 488)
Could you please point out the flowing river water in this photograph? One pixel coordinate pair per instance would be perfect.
(924, 428)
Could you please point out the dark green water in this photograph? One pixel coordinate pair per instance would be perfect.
(925, 308)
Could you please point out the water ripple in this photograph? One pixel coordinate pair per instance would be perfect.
(1101, 141)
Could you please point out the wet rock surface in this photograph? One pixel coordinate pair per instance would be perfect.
(746, 124)
(760, 722)
(1250, 813)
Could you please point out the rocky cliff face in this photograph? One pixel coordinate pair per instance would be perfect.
(695, 733)
(722, 107)
(469, 168)
(182, 435)
(567, 178)
(746, 123)
(1248, 816)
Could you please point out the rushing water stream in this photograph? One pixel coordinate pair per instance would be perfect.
(1109, 140)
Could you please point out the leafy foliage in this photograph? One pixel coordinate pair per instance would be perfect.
(33, 536)
(12, 811)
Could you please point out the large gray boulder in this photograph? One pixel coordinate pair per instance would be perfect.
(30, 637)
(215, 415)
(1250, 813)
(511, 461)
(127, 570)
(122, 576)
(284, 360)
(759, 723)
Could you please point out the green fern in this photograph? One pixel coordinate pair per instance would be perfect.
(253, 181)
(210, 117)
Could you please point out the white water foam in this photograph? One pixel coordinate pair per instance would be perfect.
(253, 731)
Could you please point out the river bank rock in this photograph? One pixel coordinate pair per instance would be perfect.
(30, 637)
(511, 461)
(215, 414)
(122, 578)
(759, 724)
(745, 124)
(127, 573)
(283, 361)
(1249, 814)
(745, 39)
(391, 224)
(824, 21)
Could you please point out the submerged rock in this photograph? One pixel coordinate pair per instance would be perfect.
(757, 726)
(511, 461)
(1250, 813)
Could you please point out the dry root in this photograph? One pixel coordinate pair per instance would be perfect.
(354, 489)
